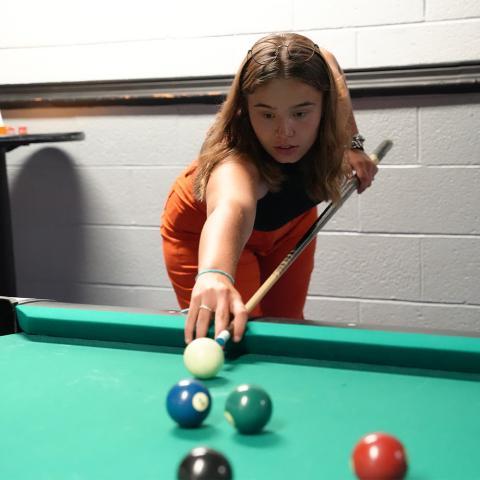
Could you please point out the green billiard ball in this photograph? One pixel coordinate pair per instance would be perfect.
(248, 408)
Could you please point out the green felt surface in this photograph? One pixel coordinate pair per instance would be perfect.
(91, 409)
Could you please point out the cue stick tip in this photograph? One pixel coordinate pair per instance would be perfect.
(223, 337)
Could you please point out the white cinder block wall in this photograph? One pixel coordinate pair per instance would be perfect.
(86, 214)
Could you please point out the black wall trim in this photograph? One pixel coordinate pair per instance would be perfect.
(418, 80)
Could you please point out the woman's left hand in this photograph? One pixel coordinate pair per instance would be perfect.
(363, 166)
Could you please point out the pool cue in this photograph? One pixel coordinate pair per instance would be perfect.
(376, 156)
(312, 232)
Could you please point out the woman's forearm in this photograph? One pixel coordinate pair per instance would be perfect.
(223, 237)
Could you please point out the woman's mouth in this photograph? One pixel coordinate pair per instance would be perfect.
(285, 149)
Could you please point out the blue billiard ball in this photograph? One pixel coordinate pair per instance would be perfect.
(189, 403)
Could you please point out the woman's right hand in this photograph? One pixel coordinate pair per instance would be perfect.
(214, 297)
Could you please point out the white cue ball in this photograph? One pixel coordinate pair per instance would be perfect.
(203, 357)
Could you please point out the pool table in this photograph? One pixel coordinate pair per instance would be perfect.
(83, 392)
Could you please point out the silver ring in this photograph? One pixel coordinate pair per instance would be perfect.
(205, 307)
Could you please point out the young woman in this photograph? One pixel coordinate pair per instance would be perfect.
(284, 140)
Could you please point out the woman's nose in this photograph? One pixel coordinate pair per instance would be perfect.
(284, 128)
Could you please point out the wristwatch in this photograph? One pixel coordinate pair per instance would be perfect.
(357, 142)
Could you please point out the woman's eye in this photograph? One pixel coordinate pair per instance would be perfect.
(268, 115)
(299, 114)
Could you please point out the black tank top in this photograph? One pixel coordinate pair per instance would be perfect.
(276, 209)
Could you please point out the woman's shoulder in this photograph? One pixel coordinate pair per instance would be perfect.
(238, 160)
(238, 170)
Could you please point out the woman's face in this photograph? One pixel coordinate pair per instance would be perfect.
(285, 116)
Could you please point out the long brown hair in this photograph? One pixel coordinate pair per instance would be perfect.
(232, 136)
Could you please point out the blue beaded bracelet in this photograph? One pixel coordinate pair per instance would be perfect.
(215, 270)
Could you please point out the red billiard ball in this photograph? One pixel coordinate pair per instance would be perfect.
(379, 456)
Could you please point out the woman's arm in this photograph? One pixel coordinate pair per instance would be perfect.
(358, 160)
(231, 196)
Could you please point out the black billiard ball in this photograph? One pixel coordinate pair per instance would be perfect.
(203, 463)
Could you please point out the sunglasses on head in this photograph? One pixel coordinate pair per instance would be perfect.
(266, 52)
